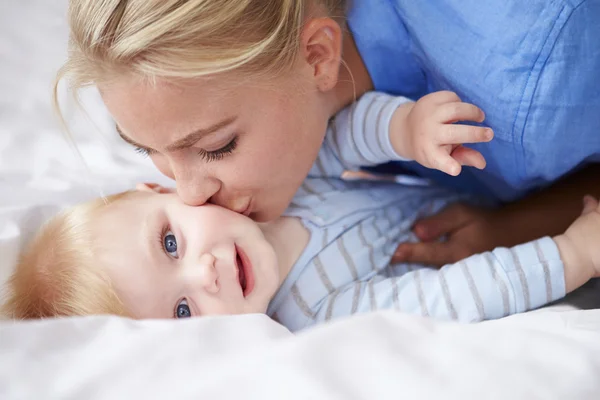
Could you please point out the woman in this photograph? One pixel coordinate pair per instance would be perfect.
(231, 97)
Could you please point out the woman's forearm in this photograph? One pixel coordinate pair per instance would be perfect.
(548, 212)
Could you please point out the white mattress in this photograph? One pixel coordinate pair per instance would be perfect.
(548, 354)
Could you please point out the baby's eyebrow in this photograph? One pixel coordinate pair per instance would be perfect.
(151, 229)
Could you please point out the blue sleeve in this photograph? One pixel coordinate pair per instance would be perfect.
(484, 286)
(358, 136)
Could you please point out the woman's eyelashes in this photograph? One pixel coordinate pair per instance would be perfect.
(208, 156)
(143, 152)
(216, 155)
(182, 310)
(169, 243)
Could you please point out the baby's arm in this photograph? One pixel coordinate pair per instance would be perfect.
(489, 285)
(379, 128)
(484, 286)
(358, 136)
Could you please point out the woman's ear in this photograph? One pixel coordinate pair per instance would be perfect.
(321, 46)
(153, 187)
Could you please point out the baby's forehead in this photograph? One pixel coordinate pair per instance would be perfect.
(120, 216)
(127, 221)
(120, 237)
(130, 202)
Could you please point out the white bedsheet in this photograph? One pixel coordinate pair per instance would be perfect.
(545, 356)
(542, 355)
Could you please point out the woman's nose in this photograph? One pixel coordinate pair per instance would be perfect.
(197, 193)
(195, 189)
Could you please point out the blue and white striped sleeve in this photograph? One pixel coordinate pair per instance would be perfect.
(484, 286)
(359, 136)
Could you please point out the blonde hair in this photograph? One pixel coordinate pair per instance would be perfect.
(58, 274)
(182, 39)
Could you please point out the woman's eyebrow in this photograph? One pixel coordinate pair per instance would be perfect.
(191, 138)
(188, 140)
(127, 139)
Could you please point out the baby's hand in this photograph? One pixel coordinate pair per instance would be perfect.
(425, 132)
(584, 236)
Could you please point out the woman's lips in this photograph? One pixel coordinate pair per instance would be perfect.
(248, 209)
(246, 274)
(236, 206)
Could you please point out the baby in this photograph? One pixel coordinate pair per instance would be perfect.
(145, 254)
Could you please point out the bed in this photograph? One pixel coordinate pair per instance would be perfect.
(553, 353)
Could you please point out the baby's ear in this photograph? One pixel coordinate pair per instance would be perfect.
(153, 187)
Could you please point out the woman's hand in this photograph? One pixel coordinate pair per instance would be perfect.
(468, 230)
(471, 230)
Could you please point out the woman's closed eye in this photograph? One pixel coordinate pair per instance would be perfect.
(207, 155)
(216, 155)
(169, 243)
(143, 152)
(182, 310)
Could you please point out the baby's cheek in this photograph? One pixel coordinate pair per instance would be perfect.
(223, 307)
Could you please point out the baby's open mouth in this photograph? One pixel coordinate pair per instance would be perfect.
(241, 273)
(245, 273)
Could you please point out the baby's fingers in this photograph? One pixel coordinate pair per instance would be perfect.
(458, 111)
(459, 134)
(590, 203)
(469, 157)
(446, 164)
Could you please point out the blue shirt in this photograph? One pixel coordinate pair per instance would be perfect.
(533, 67)
(355, 227)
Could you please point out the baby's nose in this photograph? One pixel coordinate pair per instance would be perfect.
(207, 273)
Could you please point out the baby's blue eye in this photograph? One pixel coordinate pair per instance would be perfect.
(170, 244)
(183, 310)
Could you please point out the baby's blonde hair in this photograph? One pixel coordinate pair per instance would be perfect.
(183, 39)
(58, 273)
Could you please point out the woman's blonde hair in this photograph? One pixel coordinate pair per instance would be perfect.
(183, 38)
(58, 274)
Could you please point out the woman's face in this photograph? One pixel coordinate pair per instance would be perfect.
(246, 146)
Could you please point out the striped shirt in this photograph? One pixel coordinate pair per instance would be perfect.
(355, 226)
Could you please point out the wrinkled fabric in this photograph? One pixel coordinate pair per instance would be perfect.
(541, 355)
(532, 66)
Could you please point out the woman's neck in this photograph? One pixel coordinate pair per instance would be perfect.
(353, 80)
(289, 238)
(287, 235)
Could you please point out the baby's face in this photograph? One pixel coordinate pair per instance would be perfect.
(170, 260)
